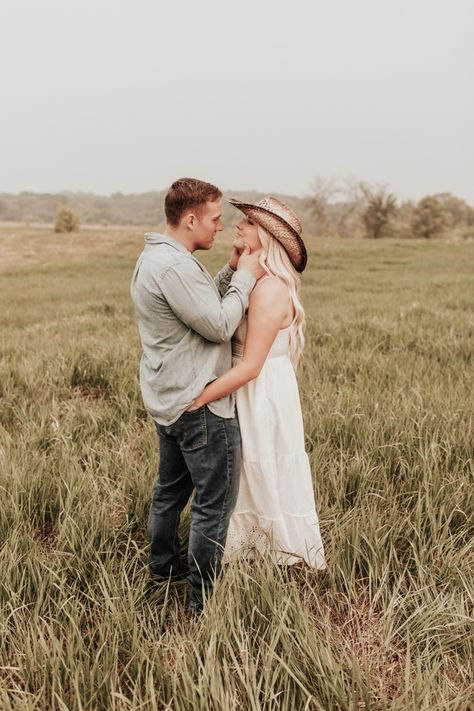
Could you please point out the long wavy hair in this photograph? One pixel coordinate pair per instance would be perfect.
(275, 260)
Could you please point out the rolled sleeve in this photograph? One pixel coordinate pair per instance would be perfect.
(223, 277)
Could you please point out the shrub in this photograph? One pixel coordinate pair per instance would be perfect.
(66, 220)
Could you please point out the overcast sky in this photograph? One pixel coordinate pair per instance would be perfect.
(122, 95)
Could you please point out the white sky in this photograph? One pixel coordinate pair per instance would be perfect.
(122, 95)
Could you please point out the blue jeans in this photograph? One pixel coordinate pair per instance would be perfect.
(199, 452)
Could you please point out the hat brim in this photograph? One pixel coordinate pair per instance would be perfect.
(279, 228)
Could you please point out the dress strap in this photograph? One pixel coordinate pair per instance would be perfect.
(269, 276)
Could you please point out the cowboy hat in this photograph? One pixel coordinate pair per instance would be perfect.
(281, 222)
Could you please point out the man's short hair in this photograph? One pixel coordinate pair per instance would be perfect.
(188, 194)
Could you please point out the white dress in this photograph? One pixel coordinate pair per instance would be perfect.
(275, 510)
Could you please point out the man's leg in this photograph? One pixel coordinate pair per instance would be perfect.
(215, 472)
(171, 493)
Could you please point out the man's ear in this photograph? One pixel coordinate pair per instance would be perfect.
(190, 220)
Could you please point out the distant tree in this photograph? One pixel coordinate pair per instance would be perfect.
(400, 227)
(66, 220)
(458, 210)
(441, 214)
(334, 207)
(3, 208)
(322, 191)
(380, 208)
(429, 218)
(350, 209)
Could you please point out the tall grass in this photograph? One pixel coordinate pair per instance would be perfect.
(387, 393)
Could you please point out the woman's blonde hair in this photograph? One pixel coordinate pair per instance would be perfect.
(275, 260)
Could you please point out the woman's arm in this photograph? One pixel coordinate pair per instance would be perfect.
(268, 307)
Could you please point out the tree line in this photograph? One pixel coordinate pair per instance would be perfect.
(356, 209)
(340, 209)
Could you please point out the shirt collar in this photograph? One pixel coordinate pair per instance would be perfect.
(158, 238)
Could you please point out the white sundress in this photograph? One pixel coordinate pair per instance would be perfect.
(275, 510)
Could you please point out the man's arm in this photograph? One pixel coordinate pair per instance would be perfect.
(223, 277)
(192, 298)
(268, 307)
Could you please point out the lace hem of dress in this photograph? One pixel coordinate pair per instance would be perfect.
(251, 541)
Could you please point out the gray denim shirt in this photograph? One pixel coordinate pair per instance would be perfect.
(186, 320)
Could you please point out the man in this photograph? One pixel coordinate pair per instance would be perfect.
(186, 320)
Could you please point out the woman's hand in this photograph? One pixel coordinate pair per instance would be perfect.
(195, 405)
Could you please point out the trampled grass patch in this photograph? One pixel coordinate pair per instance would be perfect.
(386, 386)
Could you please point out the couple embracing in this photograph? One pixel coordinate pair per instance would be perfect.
(217, 376)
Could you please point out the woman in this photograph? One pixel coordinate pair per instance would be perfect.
(275, 510)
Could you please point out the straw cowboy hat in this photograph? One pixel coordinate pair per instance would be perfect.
(281, 222)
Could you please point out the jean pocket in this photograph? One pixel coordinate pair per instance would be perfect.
(165, 432)
(193, 430)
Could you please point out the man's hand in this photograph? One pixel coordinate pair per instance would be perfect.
(237, 249)
(250, 262)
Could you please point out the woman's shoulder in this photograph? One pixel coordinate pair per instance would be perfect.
(271, 286)
(270, 295)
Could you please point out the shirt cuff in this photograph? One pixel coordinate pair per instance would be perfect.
(227, 271)
(244, 279)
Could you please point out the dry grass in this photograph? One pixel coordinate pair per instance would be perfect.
(29, 246)
(386, 387)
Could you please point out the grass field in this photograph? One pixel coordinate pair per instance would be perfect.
(387, 391)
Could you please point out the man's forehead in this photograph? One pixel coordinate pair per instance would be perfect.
(214, 208)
